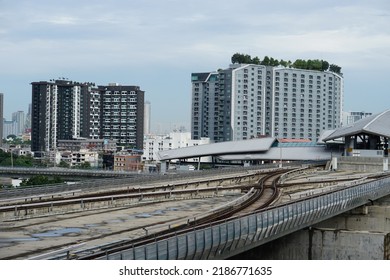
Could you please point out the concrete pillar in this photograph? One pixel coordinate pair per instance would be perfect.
(349, 145)
(334, 163)
(163, 168)
(385, 164)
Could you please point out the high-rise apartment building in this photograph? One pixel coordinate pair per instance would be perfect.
(64, 110)
(18, 118)
(122, 114)
(248, 101)
(147, 117)
(57, 112)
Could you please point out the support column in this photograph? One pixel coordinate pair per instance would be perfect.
(349, 145)
(334, 163)
(163, 167)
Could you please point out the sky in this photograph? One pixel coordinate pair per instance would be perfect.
(157, 44)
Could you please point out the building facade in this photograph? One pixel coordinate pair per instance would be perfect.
(351, 117)
(56, 113)
(127, 161)
(122, 115)
(175, 140)
(147, 117)
(65, 110)
(249, 101)
(9, 128)
(19, 118)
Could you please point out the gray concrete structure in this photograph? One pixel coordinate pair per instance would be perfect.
(360, 234)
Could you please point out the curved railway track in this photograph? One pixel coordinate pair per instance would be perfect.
(261, 195)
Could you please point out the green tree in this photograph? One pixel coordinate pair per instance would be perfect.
(300, 64)
(325, 65)
(256, 60)
(265, 61)
(335, 68)
(63, 164)
(41, 180)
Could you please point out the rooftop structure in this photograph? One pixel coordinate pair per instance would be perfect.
(268, 148)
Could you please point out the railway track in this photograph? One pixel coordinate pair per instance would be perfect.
(260, 195)
(121, 197)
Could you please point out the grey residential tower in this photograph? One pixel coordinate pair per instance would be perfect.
(248, 101)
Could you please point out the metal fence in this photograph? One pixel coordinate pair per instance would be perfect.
(136, 179)
(238, 235)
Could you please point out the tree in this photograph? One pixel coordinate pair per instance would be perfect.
(256, 60)
(335, 68)
(311, 64)
(41, 180)
(325, 65)
(63, 164)
(300, 64)
(283, 63)
(266, 61)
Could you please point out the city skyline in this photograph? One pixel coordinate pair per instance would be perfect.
(157, 45)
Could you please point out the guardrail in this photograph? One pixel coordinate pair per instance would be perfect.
(235, 236)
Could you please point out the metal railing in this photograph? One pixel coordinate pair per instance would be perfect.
(117, 182)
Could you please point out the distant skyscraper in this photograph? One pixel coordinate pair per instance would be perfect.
(63, 110)
(1, 118)
(10, 128)
(18, 118)
(147, 117)
(247, 101)
(351, 117)
(27, 124)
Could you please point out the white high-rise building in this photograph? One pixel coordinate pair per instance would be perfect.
(18, 117)
(248, 101)
(147, 117)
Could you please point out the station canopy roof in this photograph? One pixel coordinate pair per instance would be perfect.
(378, 124)
(222, 148)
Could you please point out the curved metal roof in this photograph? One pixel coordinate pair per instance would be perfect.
(285, 153)
(221, 148)
(378, 124)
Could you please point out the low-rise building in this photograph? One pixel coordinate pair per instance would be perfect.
(80, 158)
(175, 140)
(128, 161)
(78, 144)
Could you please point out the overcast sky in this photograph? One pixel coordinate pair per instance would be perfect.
(157, 44)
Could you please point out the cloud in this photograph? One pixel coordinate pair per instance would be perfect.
(132, 38)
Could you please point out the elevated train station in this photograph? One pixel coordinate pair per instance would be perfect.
(366, 144)
(362, 146)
